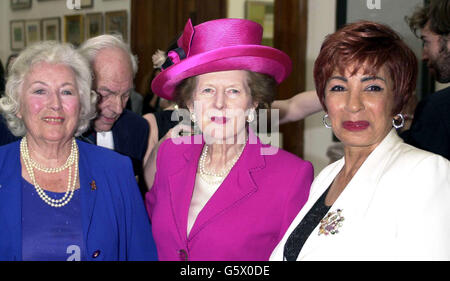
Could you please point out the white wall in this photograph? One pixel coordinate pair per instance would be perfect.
(236, 8)
(321, 22)
(45, 9)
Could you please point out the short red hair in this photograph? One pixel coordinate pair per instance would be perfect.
(373, 46)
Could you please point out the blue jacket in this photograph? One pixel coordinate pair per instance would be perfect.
(114, 220)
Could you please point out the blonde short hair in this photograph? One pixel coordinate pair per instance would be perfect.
(54, 53)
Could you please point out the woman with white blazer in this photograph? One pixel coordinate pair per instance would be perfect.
(384, 200)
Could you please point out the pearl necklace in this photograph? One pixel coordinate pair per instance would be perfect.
(71, 161)
(221, 175)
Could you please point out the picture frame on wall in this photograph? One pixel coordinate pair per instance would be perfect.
(94, 25)
(51, 29)
(262, 12)
(74, 29)
(116, 22)
(20, 4)
(32, 31)
(86, 4)
(17, 35)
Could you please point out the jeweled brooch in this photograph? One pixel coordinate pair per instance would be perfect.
(331, 223)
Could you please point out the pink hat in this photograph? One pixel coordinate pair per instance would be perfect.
(219, 45)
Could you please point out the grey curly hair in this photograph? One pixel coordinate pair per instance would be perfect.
(54, 53)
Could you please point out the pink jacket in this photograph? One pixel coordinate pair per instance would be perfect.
(246, 217)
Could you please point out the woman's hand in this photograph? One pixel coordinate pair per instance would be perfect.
(150, 161)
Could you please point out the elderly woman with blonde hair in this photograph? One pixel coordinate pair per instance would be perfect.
(61, 199)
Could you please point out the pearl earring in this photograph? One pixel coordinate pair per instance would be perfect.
(251, 116)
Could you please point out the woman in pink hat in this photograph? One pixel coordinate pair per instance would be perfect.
(222, 194)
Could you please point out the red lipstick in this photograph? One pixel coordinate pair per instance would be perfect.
(355, 126)
(219, 119)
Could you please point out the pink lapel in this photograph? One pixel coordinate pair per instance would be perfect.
(181, 186)
(237, 186)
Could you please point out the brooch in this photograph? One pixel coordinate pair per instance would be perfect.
(93, 185)
(331, 223)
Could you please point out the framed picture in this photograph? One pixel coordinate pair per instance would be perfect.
(20, 4)
(94, 25)
(74, 29)
(17, 34)
(117, 23)
(86, 3)
(51, 29)
(262, 13)
(32, 31)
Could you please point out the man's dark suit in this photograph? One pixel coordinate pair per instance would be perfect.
(130, 133)
(430, 129)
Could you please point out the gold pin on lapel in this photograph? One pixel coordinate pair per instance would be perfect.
(93, 185)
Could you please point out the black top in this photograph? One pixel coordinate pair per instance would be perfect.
(298, 237)
(130, 135)
(430, 129)
(164, 122)
(147, 107)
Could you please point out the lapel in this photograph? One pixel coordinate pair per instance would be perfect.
(11, 201)
(237, 186)
(121, 135)
(360, 190)
(88, 193)
(119, 139)
(181, 186)
(355, 199)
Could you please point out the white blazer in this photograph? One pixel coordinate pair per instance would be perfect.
(396, 207)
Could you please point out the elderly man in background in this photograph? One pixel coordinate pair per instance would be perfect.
(115, 127)
(430, 129)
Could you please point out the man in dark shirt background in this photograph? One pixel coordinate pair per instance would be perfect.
(430, 129)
